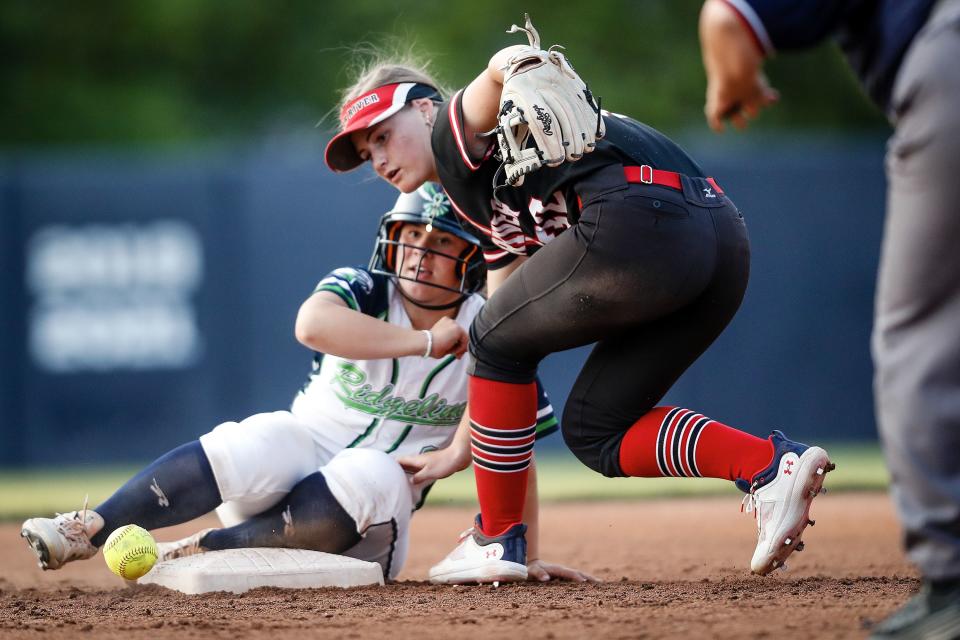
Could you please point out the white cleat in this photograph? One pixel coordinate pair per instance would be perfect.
(481, 559)
(62, 539)
(189, 546)
(782, 501)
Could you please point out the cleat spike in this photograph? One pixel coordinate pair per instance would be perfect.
(820, 471)
(813, 493)
(811, 522)
(787, 542)
(800, 546)
(830, 467)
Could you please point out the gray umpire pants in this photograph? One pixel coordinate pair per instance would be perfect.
(916, 341)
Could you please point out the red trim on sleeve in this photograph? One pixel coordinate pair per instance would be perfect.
(749, 27)
(455, 126)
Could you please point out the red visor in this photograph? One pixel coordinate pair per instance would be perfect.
(366, 111)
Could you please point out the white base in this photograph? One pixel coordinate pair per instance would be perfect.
(239, 570)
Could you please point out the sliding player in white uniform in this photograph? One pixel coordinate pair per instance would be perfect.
(324, 475)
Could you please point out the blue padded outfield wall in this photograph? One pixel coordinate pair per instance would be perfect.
(146, 298)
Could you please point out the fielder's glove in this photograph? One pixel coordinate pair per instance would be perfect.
(544, 99)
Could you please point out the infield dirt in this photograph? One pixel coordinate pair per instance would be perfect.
(671, 569)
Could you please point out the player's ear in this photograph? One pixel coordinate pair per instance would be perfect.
(426, 108)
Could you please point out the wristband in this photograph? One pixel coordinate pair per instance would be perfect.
(426, 354)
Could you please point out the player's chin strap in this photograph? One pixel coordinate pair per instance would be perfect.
(429, 307)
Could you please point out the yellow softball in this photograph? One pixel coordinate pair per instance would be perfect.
(130, 551)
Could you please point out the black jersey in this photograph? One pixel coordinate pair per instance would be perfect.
(522, 219)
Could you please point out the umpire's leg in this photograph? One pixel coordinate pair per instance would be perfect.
(916, 340)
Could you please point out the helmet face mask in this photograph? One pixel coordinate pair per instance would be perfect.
(398, 249)
(428, 206)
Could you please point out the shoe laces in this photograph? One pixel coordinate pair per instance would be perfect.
(189, 546)
(73, 526)
(751, 504)
(465, 534)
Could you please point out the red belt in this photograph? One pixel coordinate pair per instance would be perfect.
(645, 174)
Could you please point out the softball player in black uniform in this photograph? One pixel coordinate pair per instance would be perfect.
(631, 247)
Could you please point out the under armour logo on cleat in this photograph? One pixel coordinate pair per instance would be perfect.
(788, 470)
(491, 554)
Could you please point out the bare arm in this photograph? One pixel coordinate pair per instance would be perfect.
(736, 86)
(481, 100)
(325, 323)
(434, 465)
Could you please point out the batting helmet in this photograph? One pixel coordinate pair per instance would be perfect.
(430, 207)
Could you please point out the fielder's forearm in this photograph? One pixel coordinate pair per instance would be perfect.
(498, 62)
(481, 101)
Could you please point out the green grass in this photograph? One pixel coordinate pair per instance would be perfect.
(42, 491)
(31, 492)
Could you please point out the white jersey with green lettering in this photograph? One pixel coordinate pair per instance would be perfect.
(401, 406)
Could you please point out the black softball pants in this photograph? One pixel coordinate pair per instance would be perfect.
(650, 274)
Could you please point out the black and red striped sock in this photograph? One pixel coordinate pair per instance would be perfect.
(503, 425)
(672, 441)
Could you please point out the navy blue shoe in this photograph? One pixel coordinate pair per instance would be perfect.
(781, 496)
(480, 558)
